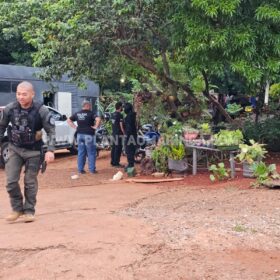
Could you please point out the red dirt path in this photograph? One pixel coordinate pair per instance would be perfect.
(91, 228)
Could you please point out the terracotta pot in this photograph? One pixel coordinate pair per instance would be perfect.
(190, 135)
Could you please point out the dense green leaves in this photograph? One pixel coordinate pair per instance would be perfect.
(174, 39)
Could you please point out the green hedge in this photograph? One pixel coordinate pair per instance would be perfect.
(267, 132)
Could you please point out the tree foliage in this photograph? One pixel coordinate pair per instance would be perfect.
(174, 40)
(14, 50)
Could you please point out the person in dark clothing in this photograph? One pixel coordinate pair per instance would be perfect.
(118, 133)
(24, 120)
(87, 123)
(130, 133)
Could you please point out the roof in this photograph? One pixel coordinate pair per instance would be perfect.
(24, 73)
(17, 72)
(14, 72)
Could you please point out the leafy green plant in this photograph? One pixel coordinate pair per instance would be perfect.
(252, 152)
(270, 133)
(267, 132)
(190, 129)
(228, 138)
(108, 126)
(160, 158)
(252, 130)
(205, 128)
(175, 129)
(264, 172)
(176, 151)
(275, 91)
(219, 172)
(233, 108)
(192, 123)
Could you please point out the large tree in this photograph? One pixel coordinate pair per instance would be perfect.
(96, 38)
(15, 50)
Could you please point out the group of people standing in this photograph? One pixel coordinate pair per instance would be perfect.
(124, 134)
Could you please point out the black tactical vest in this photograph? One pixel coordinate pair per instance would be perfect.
(23, 126)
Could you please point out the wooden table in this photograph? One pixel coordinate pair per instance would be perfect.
(195, 150)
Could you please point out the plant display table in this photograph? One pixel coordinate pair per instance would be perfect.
(196, 149)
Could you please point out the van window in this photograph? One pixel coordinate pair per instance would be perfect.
(14, 86)
(5, 86)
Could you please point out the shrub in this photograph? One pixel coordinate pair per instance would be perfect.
(264, 172)
(275, 91)
(160, 158)
(267, 132)
(252, 130)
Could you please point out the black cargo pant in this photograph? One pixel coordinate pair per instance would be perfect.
(116, 149)
(19, 157)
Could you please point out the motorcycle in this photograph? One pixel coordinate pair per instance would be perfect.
(146, 142)
(102, 139)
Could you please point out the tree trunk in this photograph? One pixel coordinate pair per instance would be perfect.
(213, 100)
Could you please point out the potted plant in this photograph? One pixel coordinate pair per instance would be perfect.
(176, 157)
(228, 139)
(254, 152)
(160, 158)
(190, 133)
(205, 130)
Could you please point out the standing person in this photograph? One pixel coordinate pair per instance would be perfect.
(87, 123)
(130, 129)
(25, 118)
(118, 133)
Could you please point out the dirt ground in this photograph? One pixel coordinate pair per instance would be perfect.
(91, 228)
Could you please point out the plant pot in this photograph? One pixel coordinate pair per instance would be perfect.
(206, 137)
(190, 135)
(178, 165)
(247, 170)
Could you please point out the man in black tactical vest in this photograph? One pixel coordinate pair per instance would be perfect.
(24, 119)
